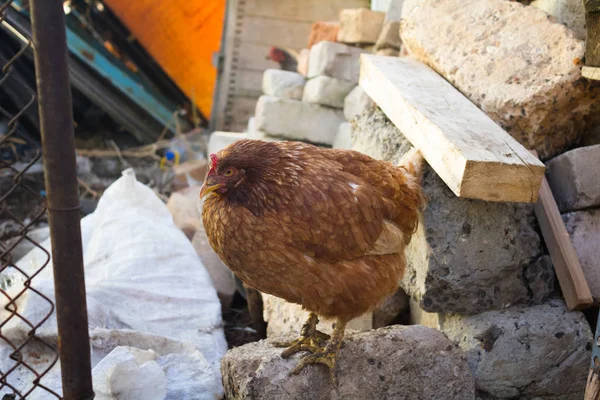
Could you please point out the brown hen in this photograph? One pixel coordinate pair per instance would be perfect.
(322, 228)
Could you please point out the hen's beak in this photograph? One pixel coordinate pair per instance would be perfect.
(208, 188)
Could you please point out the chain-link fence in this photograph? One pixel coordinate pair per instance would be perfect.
(26, 356)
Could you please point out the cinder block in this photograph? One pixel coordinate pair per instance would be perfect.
(327, 91)
(336, 60)
(360, 25)
(285, 84)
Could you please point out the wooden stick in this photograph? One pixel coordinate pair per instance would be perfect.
(570, 275)
(472, 154)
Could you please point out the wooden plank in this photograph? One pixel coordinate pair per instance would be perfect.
(591, 73)
(302, 10)
(570, 275)
(474, 156)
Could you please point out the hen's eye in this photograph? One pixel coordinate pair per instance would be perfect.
(228, 172)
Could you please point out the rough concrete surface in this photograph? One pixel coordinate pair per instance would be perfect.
(293, 119)
(540, 352)
(568, 12)
(360, 26)
(336, 60)
(397, 362)
(285, 84)
(584, 231)
(467, 256)
(532, 63)
(356, 102)
(327, 91)
(574, 179)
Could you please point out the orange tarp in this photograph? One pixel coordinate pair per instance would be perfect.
(182, 36)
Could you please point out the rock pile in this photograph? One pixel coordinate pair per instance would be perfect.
(478, 272)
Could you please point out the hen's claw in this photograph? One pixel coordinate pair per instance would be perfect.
(310, 339)
(326, 357)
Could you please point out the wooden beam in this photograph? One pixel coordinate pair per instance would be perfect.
(570, 275)
(474, 156)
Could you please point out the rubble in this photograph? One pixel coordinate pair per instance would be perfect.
(467, 256)
(389, 38)
(540, 352)
(356, 102)
(574, 179)
(343, 138)
(475, 48)
(360, 26)
(568, 12)
(584, 232)
(336, 60)
(284, 84)
(397, 362)
(220, 140)
(323, 31)
(297, 120)
(327, 91)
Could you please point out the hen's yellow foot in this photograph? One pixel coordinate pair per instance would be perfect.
(310, 339)
(326, 356)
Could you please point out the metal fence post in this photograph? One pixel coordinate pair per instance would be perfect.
(56, 121)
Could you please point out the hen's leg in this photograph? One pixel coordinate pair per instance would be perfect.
(310, 338)
(327, 355)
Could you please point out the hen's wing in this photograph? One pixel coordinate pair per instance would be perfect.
(347, 206)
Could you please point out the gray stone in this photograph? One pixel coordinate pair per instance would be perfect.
(285, 84)
(389, 38)
(327, 91)
(343, 138)
(584, 231)
(336, 60)
(387, 312)
(356, 102)
(568, 12)
(360, 26)
(293, 119)
(531, 62)
(540, 352)
(574, 178)
(390, 363)
(467, 256)
(285, 318)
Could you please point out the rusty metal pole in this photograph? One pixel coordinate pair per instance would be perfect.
(58, 144)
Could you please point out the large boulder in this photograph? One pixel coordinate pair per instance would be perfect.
(467, 256)
(390, 363)
(540, 352)
(519, 66)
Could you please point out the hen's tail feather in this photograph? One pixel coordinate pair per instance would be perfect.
(412, 163)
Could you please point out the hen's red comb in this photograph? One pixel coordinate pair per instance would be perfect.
(213, 162)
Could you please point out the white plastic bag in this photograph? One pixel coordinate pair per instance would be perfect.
(141, 273)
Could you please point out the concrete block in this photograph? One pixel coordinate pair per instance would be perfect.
(469, 47)
(323, 31)
(388, 52)
(584, 231)
(327, 91)
(540, 352)
(284, 84)
(360, 25)
(467, 256)
(336, 60)
(574, 178)
(568, 12)
(356, 102)
(343, 138)
(296, 120)
(219, 140)
(398, 362)
(389, 38)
